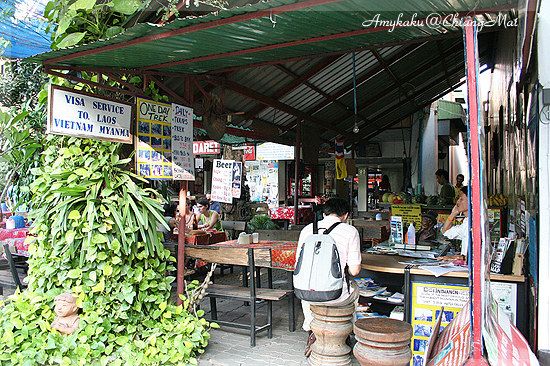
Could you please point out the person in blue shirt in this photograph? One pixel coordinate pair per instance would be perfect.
(214, 205)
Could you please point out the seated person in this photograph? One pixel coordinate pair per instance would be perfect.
(66, 320)
(427, 232)
(190, 219)
(461, 231)
(207, 219)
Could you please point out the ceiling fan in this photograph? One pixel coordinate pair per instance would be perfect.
(214, 117)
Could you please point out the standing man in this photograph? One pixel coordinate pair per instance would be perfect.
(458, 186)
(347, 242)
(447, 189)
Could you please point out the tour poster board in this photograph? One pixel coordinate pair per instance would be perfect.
(226, 180)
(426, 302)
(75, 113)
(183, 164)
(408, 213)
(164, 141)
(453, 345)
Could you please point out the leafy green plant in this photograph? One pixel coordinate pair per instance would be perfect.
(96, 236)
(262, 222)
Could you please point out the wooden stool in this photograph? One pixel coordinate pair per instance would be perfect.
(382, 342)
(331, 325)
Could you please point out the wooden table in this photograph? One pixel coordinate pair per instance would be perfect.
(282, 253)
(373, 231)
(267, 254)
(208, 238)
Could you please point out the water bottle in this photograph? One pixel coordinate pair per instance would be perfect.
(411, 234)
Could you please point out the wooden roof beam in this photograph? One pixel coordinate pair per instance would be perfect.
(347, 88)
(381, 94)
(274, 103)
(298, 80)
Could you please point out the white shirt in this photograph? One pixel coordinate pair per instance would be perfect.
(347, 242)
(461, 232)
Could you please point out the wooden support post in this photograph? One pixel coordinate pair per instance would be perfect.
(476, 187)
(296, 167)
(181, 239)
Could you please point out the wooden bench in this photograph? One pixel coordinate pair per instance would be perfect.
(11, 278)
(249, 258)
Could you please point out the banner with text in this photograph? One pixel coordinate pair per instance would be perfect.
(153, 139)
(164, 141)
(427, 299)
(183, 167)
(75, 113)
(226, 180)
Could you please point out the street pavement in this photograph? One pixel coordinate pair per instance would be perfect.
(231, 347)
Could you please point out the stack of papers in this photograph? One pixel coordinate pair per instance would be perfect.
(443, 269)
(383, 296)
(396, 298)
(372, 292)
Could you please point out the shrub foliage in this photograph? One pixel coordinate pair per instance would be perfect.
(96, 236)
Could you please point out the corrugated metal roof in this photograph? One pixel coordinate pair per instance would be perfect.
(264, 47)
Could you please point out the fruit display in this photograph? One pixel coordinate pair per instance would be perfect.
(407, 198)
(497, 200)
(432, 200)
(419, 198)
(442, 200)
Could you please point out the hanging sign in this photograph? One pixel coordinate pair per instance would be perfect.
(273, 151)
(249, 152)
(206, 147)
(226, 180)
(75, 113)
(182, 143)
(164, 141)
(154, 143)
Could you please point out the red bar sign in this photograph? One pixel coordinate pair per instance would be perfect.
(206, 147)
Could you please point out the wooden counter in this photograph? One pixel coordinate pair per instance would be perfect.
(390, 264)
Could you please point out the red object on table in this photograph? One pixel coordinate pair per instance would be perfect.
(13, 233)
(205, 239)
(305, 214)
(283, 253)
(16, 238)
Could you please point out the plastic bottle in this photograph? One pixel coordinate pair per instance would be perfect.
(411, 234)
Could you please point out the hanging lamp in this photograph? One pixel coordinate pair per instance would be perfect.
(355, 123)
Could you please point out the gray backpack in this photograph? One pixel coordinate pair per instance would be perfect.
(318, 273)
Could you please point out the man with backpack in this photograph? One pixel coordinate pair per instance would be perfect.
(344, 251)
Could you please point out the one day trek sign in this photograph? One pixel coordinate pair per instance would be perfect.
(75, 113)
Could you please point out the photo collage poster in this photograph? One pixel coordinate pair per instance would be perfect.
(153, 140)
(426, 302)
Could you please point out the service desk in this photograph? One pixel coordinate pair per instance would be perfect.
(387, 270)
